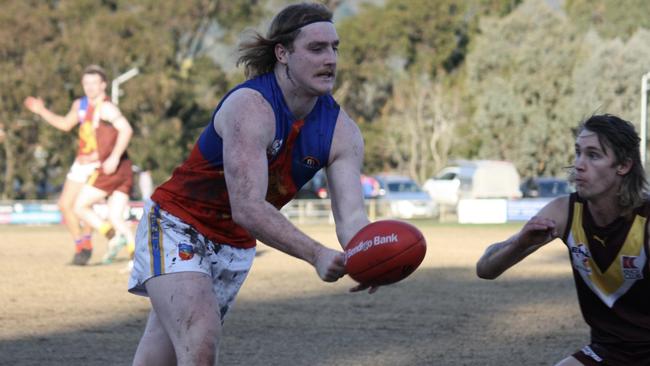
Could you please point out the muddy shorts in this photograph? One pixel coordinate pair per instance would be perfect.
(165, 244)
(81, 172)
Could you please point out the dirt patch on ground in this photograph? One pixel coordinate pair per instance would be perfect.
(52, 313)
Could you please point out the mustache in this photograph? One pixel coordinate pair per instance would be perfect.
(328, 71)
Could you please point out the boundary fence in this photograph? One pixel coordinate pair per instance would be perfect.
(309, 211)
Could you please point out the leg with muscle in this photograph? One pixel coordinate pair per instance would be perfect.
(117, 205)
(155, 347)
(66, 205)
(187, 308)
(83, 207)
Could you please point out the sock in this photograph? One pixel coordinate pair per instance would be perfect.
(86, 243)
(131, 249)
(78, 245)
(105, 228)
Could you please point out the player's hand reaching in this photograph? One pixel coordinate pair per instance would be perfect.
(329, 264)
(109, 166)
(35, 105)
(538, 230)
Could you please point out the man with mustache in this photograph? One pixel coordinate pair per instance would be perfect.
(267, 138)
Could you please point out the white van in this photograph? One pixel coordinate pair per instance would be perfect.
(474, 179)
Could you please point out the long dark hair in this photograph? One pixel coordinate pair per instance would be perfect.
(258, 54)
(621, 137)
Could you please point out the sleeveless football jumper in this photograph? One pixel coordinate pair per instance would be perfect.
(196, 193)
(98, 141)
(610, 269)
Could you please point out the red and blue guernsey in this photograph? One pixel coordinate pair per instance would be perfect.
(196, 193)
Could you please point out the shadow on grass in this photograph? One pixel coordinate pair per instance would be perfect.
(437, 317)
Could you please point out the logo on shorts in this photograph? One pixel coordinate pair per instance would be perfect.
(630, 269)
(311, 162)
(185, 251)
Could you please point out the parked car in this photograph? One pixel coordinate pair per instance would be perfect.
(401, 197)
(370, 186)
(317, 187)
(474, 179)
(545, 187)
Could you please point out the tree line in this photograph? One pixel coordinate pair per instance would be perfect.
(427, 81)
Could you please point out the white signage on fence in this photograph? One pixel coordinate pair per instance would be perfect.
(482, 211)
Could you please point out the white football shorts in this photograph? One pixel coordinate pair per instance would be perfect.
(80, 172)
(165, 244)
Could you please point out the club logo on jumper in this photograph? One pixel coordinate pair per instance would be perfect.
(275, 148)
(581, 255)
(631, 270)
(185, 251)
(367, 244)
(311, 162)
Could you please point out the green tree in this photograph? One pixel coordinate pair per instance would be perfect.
(28, 22)
(168, 103)
(419, 37)
(610, 18)
(385, 50)
(519, 74)
(608, 77)
(418, 127)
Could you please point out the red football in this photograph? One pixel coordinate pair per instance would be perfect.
(384, 252)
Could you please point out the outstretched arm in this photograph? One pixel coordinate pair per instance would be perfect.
(537, 232)
(344, 182)
(344, 179)
(64, 123)
(246, 123)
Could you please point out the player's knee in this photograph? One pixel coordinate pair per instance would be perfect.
(116, 217)
(65, 205)
(205, 346)
(202, 353)
(115, 220)
(206, 356)
(78, 208)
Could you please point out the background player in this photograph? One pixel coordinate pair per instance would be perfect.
(81, 113)
(113, 179)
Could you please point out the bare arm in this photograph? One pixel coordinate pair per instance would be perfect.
(64, 123)
(344, 179)
(109, 112)
(246, 137)
(537, 232)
